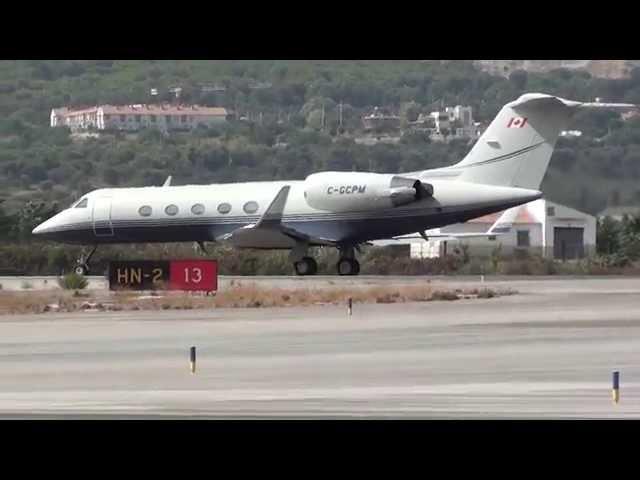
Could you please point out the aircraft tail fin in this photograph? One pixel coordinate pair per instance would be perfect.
(516, 148)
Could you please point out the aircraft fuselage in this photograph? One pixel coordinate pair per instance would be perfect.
(204, 213)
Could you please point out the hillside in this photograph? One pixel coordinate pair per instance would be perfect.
(41, 163)
(612, 69)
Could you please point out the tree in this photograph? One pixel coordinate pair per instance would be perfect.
(607, 236)
(111, 176)
(519, 79)
(409, 111)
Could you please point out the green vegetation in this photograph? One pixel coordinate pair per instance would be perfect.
(72, 281)
(43, 169)
(39, 163)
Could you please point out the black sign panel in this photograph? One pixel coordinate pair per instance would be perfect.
(139, 275)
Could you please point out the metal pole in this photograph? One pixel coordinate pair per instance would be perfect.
(616, 387)
(192, 359)
(350, 306)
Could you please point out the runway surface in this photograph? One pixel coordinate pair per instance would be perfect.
(547, 352)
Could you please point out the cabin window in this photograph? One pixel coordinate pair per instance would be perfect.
(250, 207)
(144, 211)
(82, 203)
(171, 210)
(224, 208)
(197, 209)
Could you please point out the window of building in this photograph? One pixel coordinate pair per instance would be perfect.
(250, 207)
(153, 118)
(138, 118)
(123, 118)
(224, 208)
(167, 118)
(145, 211)
(107, 117)
(523, 238)
(551, 211)
(197, 209)
(82, 203)
(183, 118)
(171, 210)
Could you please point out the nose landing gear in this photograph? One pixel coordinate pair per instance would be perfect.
(82, 264)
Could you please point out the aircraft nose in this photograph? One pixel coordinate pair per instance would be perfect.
(40, 229)
(45, 226)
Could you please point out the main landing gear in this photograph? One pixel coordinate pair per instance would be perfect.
(306, 266)
(82, 264)
(303, 264)
(348, 265)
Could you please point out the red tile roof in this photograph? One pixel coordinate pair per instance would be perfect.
(146, 110)
(523, 216)
(163, 110)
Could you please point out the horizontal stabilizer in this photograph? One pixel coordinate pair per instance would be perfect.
(500, 227)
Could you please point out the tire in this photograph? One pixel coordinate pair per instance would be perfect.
(348, 266)
(306, 266)
(81, 270)
(356, 264)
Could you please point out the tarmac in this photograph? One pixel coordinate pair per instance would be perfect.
(547, 352)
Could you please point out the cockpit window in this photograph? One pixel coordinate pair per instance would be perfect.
(82, 203)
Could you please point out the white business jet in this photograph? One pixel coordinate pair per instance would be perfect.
(338, 209)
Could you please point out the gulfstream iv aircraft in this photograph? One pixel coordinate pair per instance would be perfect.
(338, 209)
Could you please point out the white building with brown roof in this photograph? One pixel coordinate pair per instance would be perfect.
(135, 117)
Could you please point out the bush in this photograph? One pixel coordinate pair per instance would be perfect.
(72, 281)
(486, 293)
(444, 295)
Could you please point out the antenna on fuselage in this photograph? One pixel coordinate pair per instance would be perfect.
(167, 182)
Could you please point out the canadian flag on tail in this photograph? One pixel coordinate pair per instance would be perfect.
(516, 122)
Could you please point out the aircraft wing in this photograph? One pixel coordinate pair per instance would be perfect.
(269, 232)
(501, 226)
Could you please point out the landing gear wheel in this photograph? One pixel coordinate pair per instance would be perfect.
(306, 266)
(82, 264)
(82, 270)
(348, 266)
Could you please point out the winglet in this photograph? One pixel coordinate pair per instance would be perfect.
(167, 182)
(273, 215)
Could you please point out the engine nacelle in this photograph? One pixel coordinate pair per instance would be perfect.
(351, 191)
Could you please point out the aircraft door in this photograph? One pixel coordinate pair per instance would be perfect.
(102, 226)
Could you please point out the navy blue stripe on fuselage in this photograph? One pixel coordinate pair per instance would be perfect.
(360, 229)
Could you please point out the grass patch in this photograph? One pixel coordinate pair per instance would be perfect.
(72, 281)
(242, 296)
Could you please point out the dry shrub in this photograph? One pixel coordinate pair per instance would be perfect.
(486, 293)
(444, 295)
(244, 296)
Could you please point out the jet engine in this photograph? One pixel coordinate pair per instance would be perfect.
(350, 191)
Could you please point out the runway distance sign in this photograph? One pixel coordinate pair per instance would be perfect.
(191, 275)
